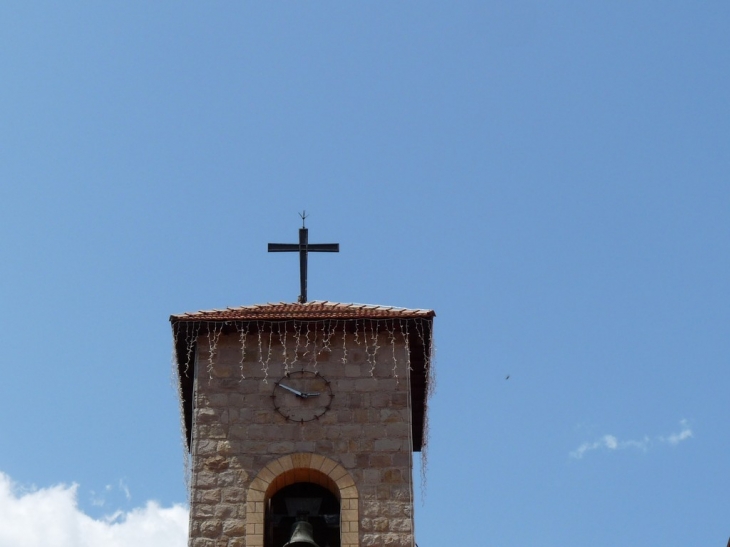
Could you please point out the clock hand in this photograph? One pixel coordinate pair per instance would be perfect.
(294, 391)
(311, 394)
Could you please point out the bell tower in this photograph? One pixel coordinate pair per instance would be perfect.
(301, 420)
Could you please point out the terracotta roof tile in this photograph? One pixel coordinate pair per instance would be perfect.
(307, 310)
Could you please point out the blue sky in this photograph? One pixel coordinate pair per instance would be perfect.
(550, 177)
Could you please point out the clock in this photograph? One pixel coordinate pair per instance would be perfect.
(302, 395)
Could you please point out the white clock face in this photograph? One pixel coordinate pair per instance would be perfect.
(302, 396)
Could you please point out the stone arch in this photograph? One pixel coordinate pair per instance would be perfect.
(302, 467)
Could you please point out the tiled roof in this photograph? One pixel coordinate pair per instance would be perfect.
(307, 310)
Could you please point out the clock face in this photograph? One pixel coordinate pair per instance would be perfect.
(302, 396)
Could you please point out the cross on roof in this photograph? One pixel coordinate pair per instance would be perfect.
(304, 247)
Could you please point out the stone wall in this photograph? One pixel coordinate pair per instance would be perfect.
(238, 435)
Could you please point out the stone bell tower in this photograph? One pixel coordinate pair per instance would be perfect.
(301, 420)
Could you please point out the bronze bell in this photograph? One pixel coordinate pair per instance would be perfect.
(301, 535)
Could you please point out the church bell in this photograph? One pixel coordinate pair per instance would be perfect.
(301, 535)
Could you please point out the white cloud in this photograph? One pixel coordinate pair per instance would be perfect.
(612, 443)
(124, 488)
(676, 438)
(100, 499)
(50, 517)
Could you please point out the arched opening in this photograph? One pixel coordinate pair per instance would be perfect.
(303, 502)
(296, 468)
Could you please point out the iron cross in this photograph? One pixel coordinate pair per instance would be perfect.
(304, 247)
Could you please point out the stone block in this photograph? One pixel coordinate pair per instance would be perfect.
(232, 495)
(220, 370)
(210, 528)
(224, 511)
(207, 496)
(216, 464)
(348, 461)
(206, 480)
(400, 492)
(388, 445)
(305, 446)
(203, 511)
(402, 459)
(370, 508)
(207, 447)
(374, 431)
(281, 447)
(383, 399)
(218, 400)
(343, 386)
(401, 430)
(312, 432)
(367, 384)
(263, 416)
(371, 476)
(392, 475)
(390, 415)
(380, 460)
(380, 524)
(324, 447)
(399, 525)
(234, 528)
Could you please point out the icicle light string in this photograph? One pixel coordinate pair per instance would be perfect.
(214, 334)
(282, 341)
(430, 366)
(242, 337)
(305, 349)
(364, 338)
(177, 386)
(372, 353)
(419, 330)
(297, 338)
(261, 349)
(327, 338)
(311, 338)
(390, 327)
(191, 337)
(264, 364)
(374, 331)
(268, 352)
(313, 351)
(405, 334)
(344, 343)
